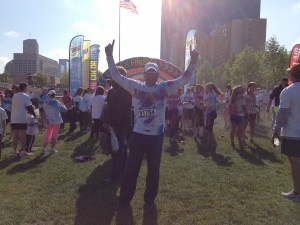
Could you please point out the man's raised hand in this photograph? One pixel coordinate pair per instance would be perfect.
(109, 49)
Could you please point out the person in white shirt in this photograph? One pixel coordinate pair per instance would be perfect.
(96, 107)
(287, 125)
(77, 99)
(20, 105)
(84, 110)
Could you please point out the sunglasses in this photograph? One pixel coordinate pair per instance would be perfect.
(152, 74)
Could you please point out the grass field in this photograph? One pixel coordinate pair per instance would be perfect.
(198, 185)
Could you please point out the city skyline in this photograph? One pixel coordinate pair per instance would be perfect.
(53, 24)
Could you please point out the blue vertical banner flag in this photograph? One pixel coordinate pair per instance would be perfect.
(75, 67)
(190, 41)
(94, 59)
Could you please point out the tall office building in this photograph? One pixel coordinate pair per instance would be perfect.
(30, 46)
(63, 66)
(30, 62)
(208, 17)
(232, 38)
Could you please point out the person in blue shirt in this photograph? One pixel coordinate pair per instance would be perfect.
(149, 100)
(52, 108)
(41, 100)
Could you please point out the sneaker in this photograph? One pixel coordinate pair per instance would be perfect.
(43, 151)
(23, 153)
(53, 151)
(291, 195)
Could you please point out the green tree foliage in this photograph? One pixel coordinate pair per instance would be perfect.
(266, 67)
(65, 78)
(204, 73)
(5, 78)
(246, 67)
(40, 79)
(226, 76)
(275, 60)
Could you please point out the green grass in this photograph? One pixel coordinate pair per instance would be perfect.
(197, 185)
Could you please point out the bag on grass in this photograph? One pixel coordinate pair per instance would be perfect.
(83, 158)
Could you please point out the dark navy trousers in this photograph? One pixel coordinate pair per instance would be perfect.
(141, 144)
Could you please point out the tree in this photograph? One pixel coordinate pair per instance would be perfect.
(275, 61)
(5, 77)
(65, 78)
(204, 73)
(40, 79)
(246, 67)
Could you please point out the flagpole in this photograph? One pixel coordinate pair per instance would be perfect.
(119, 30)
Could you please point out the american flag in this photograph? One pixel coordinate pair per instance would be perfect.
(127, 4)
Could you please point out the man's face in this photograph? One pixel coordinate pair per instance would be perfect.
(151, 77)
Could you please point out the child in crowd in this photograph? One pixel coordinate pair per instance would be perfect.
(32, 130)
(188, 109)
(226, 113)
(7, 101)
(199, 111)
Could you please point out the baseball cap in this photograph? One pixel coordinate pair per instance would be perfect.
(52, 92)
(151, 66)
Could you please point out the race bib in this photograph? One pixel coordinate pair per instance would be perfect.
(146, 112)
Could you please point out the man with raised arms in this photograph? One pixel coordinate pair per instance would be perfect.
(149, 101)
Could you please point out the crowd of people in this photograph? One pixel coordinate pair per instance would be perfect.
(141, 110)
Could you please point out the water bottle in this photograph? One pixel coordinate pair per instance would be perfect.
(276, 141)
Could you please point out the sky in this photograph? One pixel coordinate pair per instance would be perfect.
(53, 23)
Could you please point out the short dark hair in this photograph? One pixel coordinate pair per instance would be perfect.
(23, 86)
(295, 70)
(99, 90)
(284, 79)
